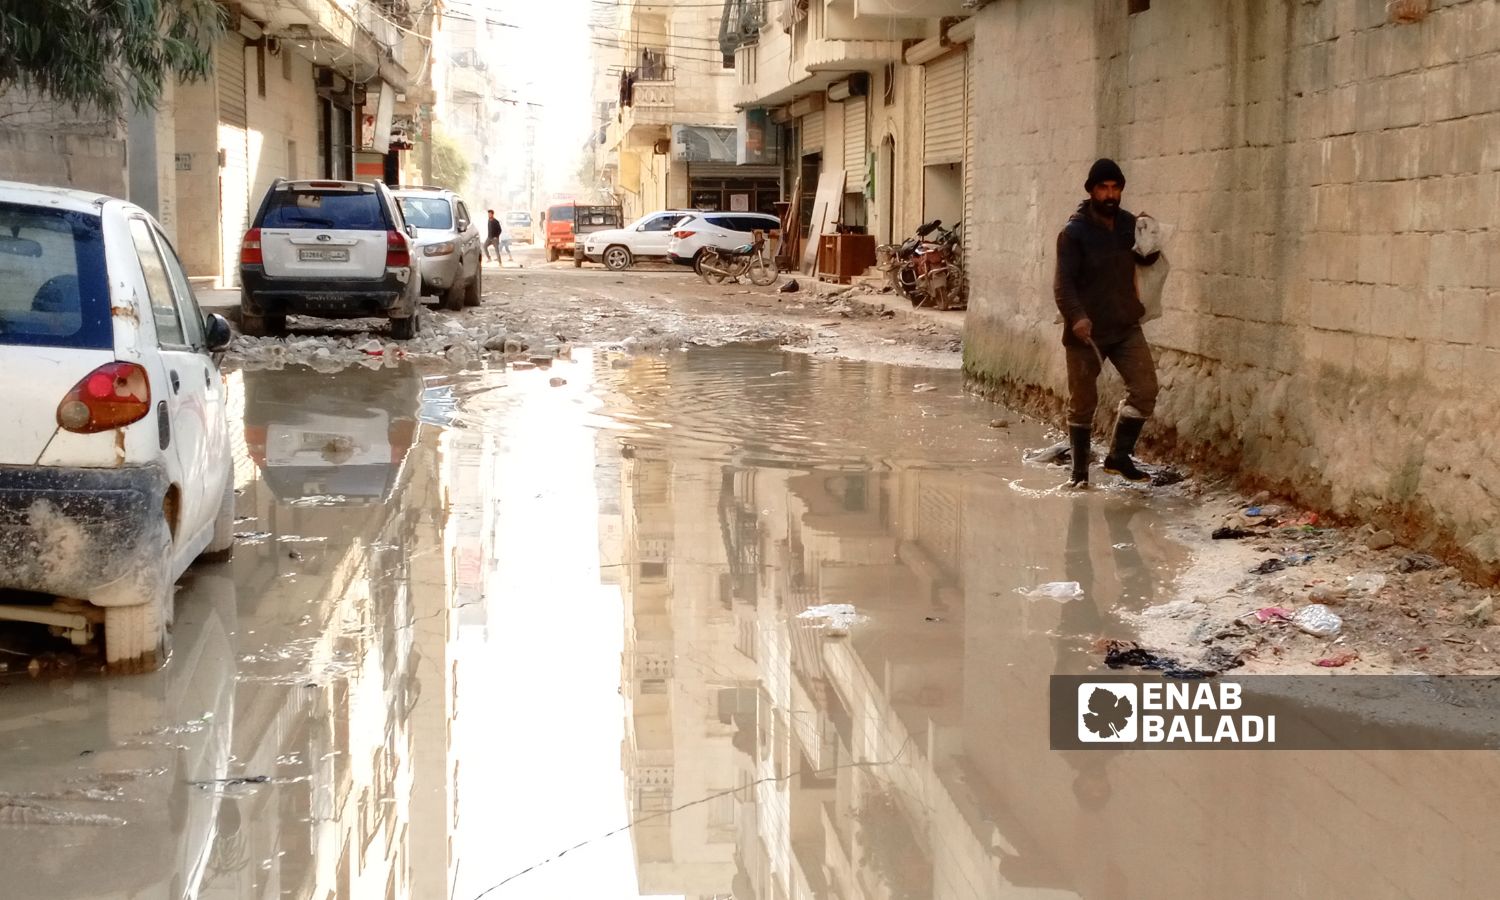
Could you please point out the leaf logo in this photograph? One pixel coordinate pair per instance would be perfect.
(1107, 712)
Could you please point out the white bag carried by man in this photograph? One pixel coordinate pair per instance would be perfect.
(1151, 236)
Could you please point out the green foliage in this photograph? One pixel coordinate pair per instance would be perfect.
(450, 168)
(106, 54)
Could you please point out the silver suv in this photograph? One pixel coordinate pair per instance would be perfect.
(448, 244)
(333, 249)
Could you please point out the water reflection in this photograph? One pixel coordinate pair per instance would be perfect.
(767, 759)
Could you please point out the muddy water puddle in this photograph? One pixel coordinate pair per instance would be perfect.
(495, 637)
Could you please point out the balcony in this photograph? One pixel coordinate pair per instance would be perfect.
(648, 100)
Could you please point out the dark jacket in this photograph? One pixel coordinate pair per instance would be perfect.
(1096, 276)
(494, 228)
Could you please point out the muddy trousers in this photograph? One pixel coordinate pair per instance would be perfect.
(1131, 357)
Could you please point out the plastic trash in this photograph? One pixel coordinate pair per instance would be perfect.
(1268, 613)
(1336, 660)
(1318, 620)
(1366, 583)
(1061, 591)
(837, 618)
(923, 388)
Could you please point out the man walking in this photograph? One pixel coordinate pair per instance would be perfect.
(494, 238)
(1096, 294)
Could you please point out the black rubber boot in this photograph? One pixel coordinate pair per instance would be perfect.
(1118, 462)
(1082, 453)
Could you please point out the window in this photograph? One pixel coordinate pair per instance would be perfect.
(349, 210)
(53, 287)
(560, 214)
(158, 286)
(291, 160)
(1138, 6)
(464, 219)
(427, 212)
(182, 291)
(661, 223)
(260, 68)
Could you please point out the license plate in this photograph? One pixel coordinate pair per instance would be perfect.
(323, 255)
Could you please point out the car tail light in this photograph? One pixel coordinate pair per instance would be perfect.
(397, 251)
(250, 248)
(683, 235)
(113, 395)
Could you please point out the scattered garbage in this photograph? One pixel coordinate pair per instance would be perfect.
(1318, 620)
(1366, 583)
(837, 618)
(558, 382)
(999, 423)
(1060, 591)
(923, 388)
(1268, 613)
(1418, 562)
(1128, 654)
(1167, 476)
(1325, 594)
(1481, 613)
(1057, 454)
(1276, 564)
(1337, 660)
(1380, 540)
(1228, 533)
(1263, 512)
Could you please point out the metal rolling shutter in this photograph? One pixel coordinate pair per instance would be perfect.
(856, 144)
(229, 70)
(969, 173)
(730, 171)
(234, 172)
(943, 110)
(814, 126)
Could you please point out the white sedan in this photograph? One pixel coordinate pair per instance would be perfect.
(116, 473)
(645, 238)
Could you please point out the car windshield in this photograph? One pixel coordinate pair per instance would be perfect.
(345, 210)
(560, 214)
(518, 219)
(53, 288)
(427, 212)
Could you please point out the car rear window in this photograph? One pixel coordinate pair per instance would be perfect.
(727, 222)
(518, 219)
(427, 212)
(341, 210)
(54, 290)
(560, 214)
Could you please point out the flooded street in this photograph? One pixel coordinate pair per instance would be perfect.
(489, 634)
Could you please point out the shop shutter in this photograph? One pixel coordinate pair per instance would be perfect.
(943, 110)
(229, 71)
(970, 160)
(813, 130)
(732, 172)
(856, 145)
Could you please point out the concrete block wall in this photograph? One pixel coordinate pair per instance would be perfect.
(44, 143)
(1332, 321)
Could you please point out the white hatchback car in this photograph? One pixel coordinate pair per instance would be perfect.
(720, 230)
(645, 238)
(115, 471)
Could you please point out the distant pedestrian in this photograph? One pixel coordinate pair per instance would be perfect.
(494, 237)
(505, 246)
(1096, 293)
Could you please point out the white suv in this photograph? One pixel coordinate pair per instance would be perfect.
(645, 238)
(720, 230)
(115, 471)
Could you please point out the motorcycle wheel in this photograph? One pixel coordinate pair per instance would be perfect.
(760, 273)
(708, 266)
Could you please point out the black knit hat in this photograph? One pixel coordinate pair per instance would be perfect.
(1104, 170)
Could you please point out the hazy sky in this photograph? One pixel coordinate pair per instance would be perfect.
(554, 66)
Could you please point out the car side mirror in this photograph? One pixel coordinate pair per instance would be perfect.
(216, 331)
(463, 224)
(411, 232)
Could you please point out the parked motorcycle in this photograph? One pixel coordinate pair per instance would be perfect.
(717, 266)
(928, 269)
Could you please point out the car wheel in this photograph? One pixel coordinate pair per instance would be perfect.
(453, 297)
(135, 637)
(474, 292)
(270, 325)
(617, 258)
(553, 255)
(221, 548)
(405, 329)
